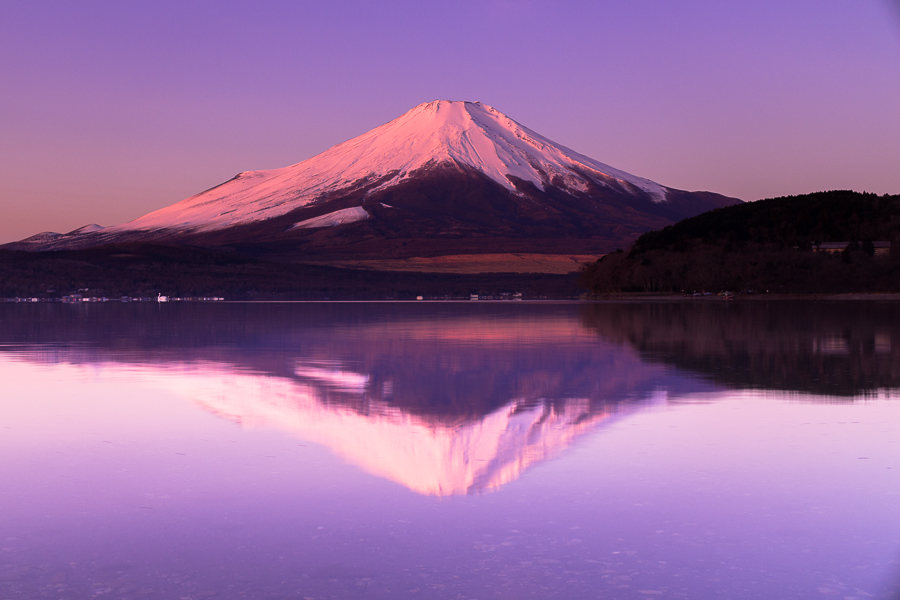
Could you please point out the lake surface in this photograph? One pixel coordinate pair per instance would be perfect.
(450, 450)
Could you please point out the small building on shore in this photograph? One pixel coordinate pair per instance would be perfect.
(881, 248)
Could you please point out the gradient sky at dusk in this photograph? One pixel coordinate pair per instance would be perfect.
(110, 109)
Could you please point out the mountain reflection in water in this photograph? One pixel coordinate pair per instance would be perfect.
(442, 399)
(455, 399)
(161, 451)
(428, 454)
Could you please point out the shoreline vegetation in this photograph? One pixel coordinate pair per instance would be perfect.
(838, 242)
(146, 270)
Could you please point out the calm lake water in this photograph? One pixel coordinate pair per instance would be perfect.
(450, 450)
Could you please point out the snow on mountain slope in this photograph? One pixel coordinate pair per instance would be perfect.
(333, 219)
(45, 237)
(92, 228)
(469, 134)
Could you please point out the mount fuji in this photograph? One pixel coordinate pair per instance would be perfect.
(445, 178)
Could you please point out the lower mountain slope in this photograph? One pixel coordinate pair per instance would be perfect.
(442, 210)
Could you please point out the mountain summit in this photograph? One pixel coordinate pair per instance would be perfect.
(444, 178)
(470, 135)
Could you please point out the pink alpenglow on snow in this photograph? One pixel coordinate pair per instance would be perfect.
(445, 178)
(465, 133)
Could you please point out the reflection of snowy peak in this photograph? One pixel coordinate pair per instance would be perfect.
(443, 178)
(427, 456)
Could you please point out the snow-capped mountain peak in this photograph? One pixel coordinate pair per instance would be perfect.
(444, 178)
(467, 134)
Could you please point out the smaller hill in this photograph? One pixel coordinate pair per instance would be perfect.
(776, 244)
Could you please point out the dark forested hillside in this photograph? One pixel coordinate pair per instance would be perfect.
(764, 245)
(147, 269)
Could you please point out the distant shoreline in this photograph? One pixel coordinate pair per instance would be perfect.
(656, 297)
(617, 298)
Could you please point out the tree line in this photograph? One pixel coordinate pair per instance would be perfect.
(768, 245)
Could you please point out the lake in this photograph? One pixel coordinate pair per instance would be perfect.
(469, 450)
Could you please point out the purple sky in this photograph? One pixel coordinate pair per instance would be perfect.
(111, 109)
